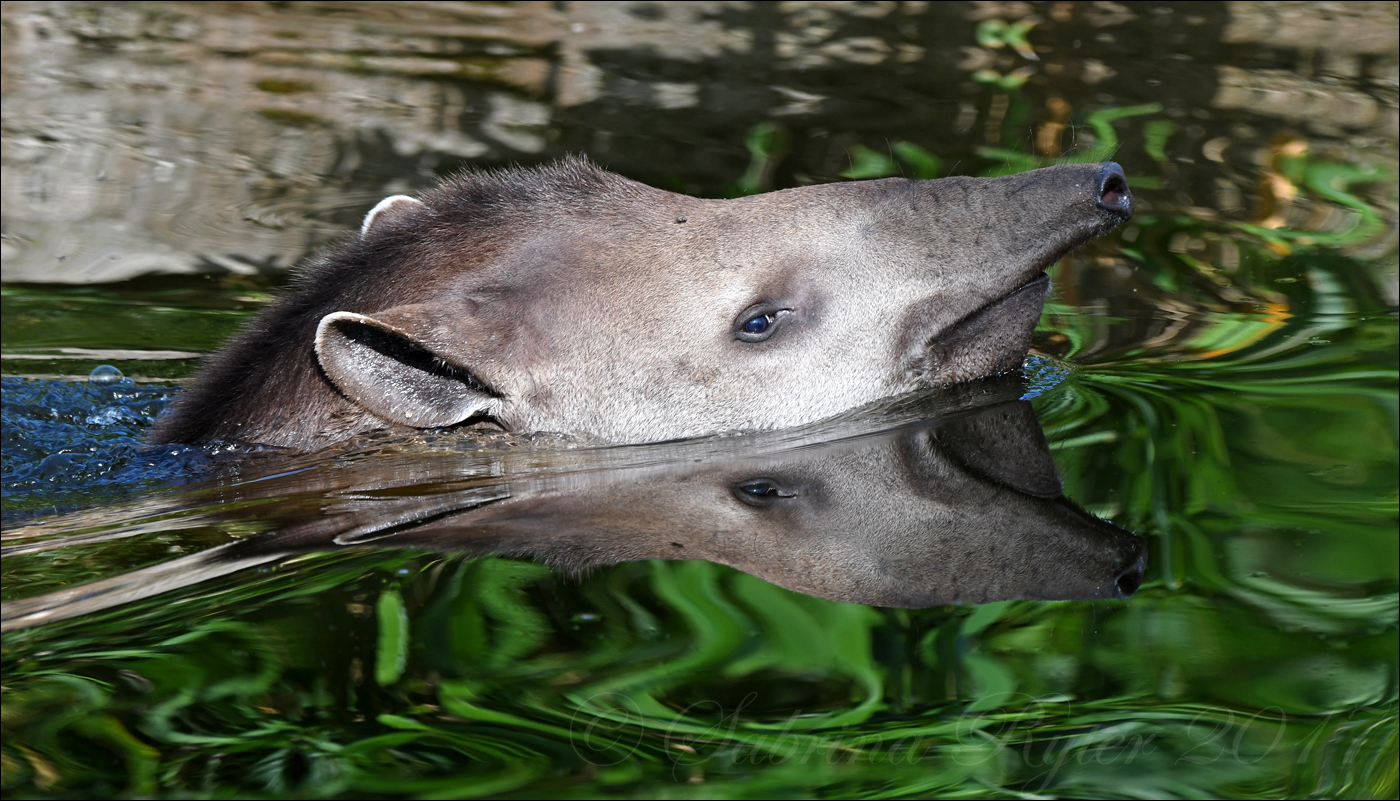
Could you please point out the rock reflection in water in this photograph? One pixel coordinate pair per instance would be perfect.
(968, 509)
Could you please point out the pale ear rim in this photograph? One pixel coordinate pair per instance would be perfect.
(385, 206)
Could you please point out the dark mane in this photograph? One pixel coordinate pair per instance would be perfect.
(568, 183)
(266, 381)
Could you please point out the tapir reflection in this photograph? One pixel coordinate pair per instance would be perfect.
(965, 510)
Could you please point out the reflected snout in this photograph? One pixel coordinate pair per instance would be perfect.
(1113, 195)
(1129, 580)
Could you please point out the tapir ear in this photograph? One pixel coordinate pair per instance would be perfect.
(394, 374)
(388, 209)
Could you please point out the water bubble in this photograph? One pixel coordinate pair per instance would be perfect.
(56, 465)
(105, 374)
(106, 417)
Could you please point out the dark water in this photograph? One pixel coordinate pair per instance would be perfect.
(930, 601)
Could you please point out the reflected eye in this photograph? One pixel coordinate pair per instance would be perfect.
(761, 492)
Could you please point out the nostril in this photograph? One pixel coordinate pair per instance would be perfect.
(1129, 580)
(1113, 189)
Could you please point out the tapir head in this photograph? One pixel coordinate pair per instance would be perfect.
(569, 299)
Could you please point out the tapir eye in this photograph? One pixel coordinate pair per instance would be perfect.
(761, 492)
(758, 325)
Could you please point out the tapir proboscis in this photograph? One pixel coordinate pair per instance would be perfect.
(569, 299)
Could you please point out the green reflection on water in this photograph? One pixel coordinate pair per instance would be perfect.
(694, 672)
(53, 331)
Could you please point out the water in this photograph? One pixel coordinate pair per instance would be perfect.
(1217, 379)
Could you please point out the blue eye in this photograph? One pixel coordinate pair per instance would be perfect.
(759, 324)
(762, 492)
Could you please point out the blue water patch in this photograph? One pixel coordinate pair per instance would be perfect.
(72, 443)
(1043, 375)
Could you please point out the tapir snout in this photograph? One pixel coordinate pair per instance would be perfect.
(569, 299)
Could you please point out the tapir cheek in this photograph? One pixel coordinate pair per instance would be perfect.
(692, 371)
(540, 395)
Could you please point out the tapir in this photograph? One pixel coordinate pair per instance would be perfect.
(960, 507)
(568, 299)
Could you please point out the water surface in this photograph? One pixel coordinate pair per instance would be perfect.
(1212, 402)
